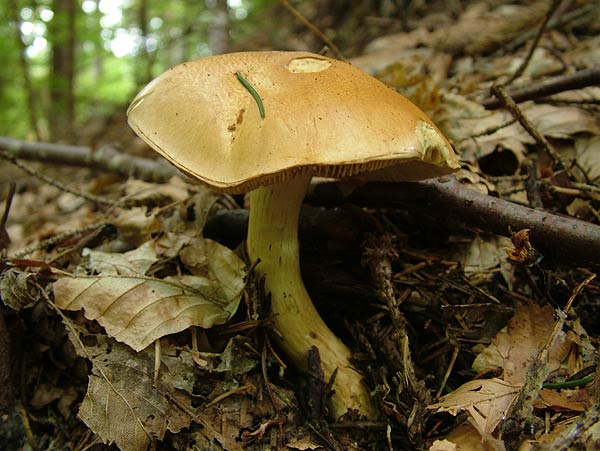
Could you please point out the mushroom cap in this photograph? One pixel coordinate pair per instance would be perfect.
(320, 114)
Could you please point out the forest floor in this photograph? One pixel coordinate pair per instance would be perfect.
(482, 336)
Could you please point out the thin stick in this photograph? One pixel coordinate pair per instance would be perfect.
(521, 69)
(106, 158)
(541, 140)
(578, 80)
(448, 371)
(312, 28)
(52, 182)
(49, 242)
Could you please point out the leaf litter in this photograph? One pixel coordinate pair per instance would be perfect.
(477, 322)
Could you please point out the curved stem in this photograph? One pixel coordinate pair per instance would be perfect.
(273, 237)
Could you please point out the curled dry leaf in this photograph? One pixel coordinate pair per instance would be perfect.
(18, 289)
(137, 309)
(486, 401)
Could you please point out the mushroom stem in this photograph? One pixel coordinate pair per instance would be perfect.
(273, 237)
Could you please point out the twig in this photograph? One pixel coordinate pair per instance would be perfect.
(263, 366)
(56, 184)
(379, 252)
(574, 192)
(578, 80)
(106, 158)
(540, 139)
(452, 203)
(553, 7)
(312, 28)
(448, 371)
(4, 237)
(580, 16)
(455, 207)
(52, 241)
(521, 413)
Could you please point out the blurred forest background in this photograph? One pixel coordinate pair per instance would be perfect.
(74, 64)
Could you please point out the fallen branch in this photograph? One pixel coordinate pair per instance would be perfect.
(446, 200)
(578, 80)
(105, 158)
(458, 206)
(449, 204)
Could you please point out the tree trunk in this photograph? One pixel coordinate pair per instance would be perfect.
(218, 30)
(61, 33)
(24, 66)
(145, 60)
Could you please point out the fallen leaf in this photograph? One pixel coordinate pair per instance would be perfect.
(234, 359)
(465, 437)
(141, 192)
(134, 263)
(515, 346)
(574, 400)
(135, 225)
(587, 153)
(137, 309)
(487, 401)
(123, 405)
(482, 254)
(18, 289)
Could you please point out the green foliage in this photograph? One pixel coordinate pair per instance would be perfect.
(113, 58)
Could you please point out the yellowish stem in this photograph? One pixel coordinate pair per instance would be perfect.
(273, 237)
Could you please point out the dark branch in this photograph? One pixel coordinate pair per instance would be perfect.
(578, 80)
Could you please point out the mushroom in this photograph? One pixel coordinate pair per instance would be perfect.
(266, 123)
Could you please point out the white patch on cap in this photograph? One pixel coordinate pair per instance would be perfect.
(307, 65)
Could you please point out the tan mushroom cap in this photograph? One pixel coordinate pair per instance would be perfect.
(320, 114)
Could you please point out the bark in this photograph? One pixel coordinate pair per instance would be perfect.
(455, 205)
(24, 66)
(145, 62)
(218, 30)
(61, 33)
(106, 159)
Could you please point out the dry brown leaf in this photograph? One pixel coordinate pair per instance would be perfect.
(445, 445)
(18, 289)
(135, 225)
(465, 437)
(587, 152)
(552, 121)
(487, 402)
(143, 192)
(575, 400)
(306, 443)
(133, 263)
(122, 405)
(137, 310)
(481, 255)
(516, 345)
